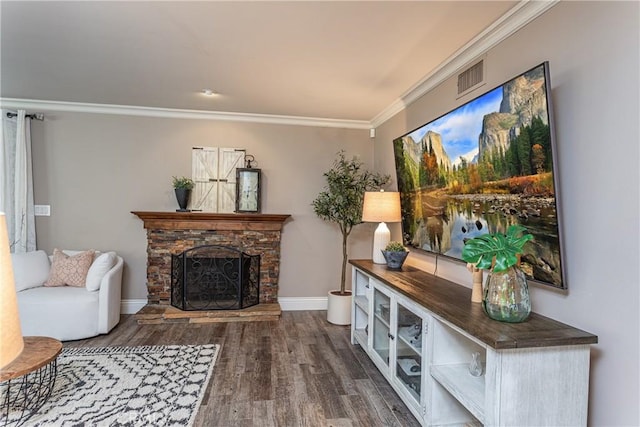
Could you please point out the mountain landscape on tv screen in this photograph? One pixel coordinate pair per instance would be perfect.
(480, 168)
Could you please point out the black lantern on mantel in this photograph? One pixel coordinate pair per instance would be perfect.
(248, 187)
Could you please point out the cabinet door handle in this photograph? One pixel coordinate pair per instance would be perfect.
(391, 336)
(366, 286)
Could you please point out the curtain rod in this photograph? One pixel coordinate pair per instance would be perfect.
(34, 116)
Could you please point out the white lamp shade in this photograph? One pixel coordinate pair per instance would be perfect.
(381, 206)
(11, 342)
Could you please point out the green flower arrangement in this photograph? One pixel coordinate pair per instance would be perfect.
(394, 246)
(182, 182)
(496, 252)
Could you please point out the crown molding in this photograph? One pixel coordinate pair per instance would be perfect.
(127, 110)
(516, 18)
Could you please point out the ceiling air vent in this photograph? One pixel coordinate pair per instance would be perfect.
(471, 78)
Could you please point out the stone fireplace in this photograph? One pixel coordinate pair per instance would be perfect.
(172, 233)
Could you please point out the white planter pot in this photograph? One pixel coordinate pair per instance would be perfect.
(339, 308)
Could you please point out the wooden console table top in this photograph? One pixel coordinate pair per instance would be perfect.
(452, 302)
(37, 352)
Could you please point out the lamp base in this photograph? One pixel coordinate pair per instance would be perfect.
(381, 239)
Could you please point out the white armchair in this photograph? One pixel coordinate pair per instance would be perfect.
(66, 312)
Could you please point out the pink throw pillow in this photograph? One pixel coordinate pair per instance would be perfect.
(69, 270)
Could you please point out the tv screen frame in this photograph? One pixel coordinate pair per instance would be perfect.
(485, 165)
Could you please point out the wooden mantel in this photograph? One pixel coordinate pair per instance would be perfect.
(211, 221)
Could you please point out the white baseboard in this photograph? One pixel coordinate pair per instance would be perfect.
(302, 303)
(132, 306)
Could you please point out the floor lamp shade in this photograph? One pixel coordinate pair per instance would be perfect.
(382, 207)
(11, 342)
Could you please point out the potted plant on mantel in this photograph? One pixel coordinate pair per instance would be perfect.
(341, 203)
(506, 293)
(182, 187)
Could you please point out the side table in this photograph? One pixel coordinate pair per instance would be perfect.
(27, 382)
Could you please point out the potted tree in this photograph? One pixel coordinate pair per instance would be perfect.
(341, 203)
(506, 293)
(182, 187)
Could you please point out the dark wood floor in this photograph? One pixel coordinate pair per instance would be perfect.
(298, 371)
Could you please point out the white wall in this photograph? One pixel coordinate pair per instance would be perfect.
(593, 51)
(95, 169)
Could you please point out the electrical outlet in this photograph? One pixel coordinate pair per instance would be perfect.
(42, 210)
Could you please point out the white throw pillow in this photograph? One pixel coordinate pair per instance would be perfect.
(100, 266)
(30, 269)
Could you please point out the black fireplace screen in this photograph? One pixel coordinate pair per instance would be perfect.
(214, 278)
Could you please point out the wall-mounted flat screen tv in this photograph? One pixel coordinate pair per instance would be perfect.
(482, 167)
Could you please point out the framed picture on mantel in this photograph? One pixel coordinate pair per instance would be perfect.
(247, 190)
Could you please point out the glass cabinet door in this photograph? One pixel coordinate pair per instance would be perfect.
(360, 309)
(381, 322)
(409, 351)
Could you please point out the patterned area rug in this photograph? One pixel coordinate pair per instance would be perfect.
(133, 386)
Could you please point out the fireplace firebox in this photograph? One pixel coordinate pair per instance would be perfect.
(214, 277)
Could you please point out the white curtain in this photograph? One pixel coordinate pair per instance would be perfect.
(16, 181)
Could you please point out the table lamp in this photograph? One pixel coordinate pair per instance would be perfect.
(382, 207)
(11, 342)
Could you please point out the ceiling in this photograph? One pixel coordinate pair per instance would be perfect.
(321, 59)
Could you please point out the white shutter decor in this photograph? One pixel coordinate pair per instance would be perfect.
(230, 159)
(213, 174)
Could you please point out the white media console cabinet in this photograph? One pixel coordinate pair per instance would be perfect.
(421, 331)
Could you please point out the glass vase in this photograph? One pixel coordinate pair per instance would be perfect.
(506, 296)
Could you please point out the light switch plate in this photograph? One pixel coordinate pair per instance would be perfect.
(42, 210)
